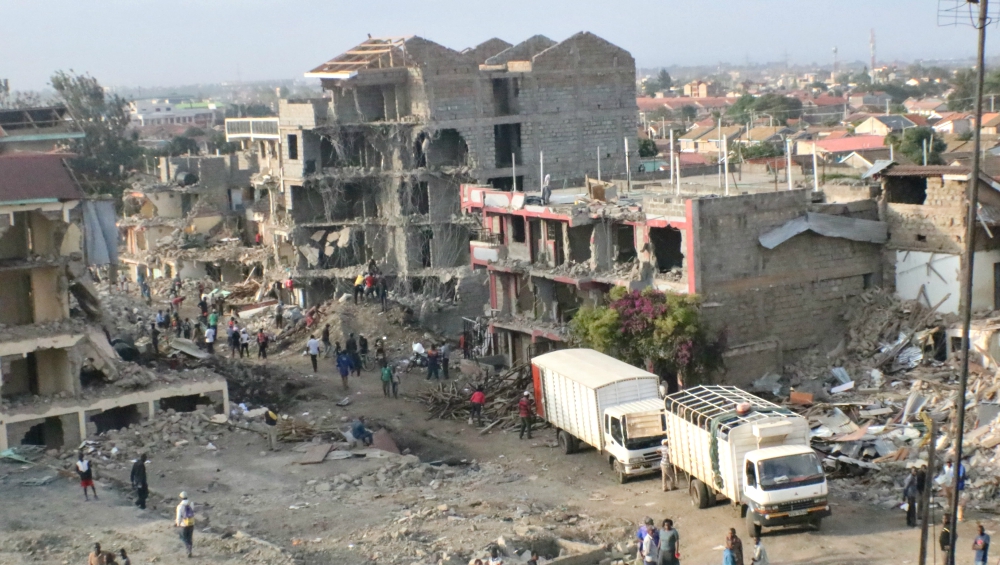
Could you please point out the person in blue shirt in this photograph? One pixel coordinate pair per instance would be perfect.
(344, 365)
(981, 545)
(359, 431)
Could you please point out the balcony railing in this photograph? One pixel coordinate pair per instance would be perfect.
(251, 128)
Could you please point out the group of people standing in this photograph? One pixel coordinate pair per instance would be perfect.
(662, 546)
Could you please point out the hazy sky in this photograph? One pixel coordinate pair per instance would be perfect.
(172, 42)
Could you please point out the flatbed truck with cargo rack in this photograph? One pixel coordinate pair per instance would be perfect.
(752, 452)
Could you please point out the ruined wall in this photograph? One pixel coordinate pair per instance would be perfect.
(937, 225)
(794, 293)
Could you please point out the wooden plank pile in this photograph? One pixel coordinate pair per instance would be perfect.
(450, 400)
(292, 430)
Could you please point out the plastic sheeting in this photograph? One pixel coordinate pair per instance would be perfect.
(100, 232)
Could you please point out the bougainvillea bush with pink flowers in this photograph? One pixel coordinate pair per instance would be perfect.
(652, 328)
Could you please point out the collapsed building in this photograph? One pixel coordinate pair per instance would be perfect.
(60, 378)
(193, 219)
(371, 172)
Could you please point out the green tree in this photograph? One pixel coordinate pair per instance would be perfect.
(663, 80)
(647, 148)
(194, 131)
(13, 99)
(181, 145)
(107, 153)
(689, 112)
(217, 144)
(651, 326)
(911, 144)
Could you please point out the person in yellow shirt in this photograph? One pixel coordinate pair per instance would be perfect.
(185, 521)
(359, 287)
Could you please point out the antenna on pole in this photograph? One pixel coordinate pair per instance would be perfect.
(871, 44)
(833, 76)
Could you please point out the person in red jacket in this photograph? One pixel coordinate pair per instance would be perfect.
(525, 409)
(478, 401)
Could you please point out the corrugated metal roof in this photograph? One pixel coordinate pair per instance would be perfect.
(922, 171)
(32, 176)
(590, 368)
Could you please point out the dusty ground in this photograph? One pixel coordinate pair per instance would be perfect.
(512, 488)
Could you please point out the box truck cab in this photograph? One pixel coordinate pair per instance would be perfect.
(733, 444)
(608, 404)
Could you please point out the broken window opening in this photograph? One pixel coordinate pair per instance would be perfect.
(507, 183)
(48, 433)
(447, 149)
(554, 232)
(505, 93)
(187, 403)
(327, 153)
(116, 418)
(17, 299)
(579, 243)
(625, 243)
(517, 229)
(91, 376)
(906, 190)
(20, 376)
(420, 146)
(419, 199)
(425, 248)
(535, 226)
(507, 140)
(14, 243)
(666, 243)
(293, 147)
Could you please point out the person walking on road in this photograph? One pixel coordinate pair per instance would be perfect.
(735, 544)
(184, 519)
(910, 493)
(313, 346)
(325, 338)
(478, 400)
(351, 346)
(138, 478)
(244, 343)
(759, 553)
(261, 344)
(981, 546)
(210, 339)
(525, 410)
(271, 421)
(85, 469)
(433, 364)
(344, 366)
(154, 336)
(386, 381)
(96, 557)
(670, 544)
(445, 352)
(944, 538)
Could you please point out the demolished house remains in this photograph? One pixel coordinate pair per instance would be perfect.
(60, 377)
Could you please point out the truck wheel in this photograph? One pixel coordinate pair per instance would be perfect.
(566, 442)
(620, 474)
(753, 529)
(816, 523)
(699, 494)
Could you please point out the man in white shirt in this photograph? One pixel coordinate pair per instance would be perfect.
(650, 549)
(759, 553)
(313, 346)
(210, 339)
(185, 521)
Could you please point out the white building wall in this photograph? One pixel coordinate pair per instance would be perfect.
(940, 275)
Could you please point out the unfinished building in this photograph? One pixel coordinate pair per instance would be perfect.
(56, 369)
(372, 170)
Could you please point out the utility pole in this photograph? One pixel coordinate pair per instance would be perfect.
(672, 173)
(925, 152)
(513, 172)
(992, 96)
(541, 170)
(788, 160)
(725, 155)
(678, 174)
(965, 300)
(925, 497)
(598, 162)
(628, 170)
(719, 153)
(815, 172)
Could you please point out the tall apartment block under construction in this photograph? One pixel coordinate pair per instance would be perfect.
(372, 170)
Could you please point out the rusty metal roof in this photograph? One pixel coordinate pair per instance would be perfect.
(36, 176)
(924, 171)
(378, 52)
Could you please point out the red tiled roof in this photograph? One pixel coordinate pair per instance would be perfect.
(647, 104)
(837, 134)
(917, 119)
(30, 176)
(688, 159)
(855, 143)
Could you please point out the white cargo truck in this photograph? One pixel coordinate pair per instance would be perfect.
(598, 400)
(755, 453)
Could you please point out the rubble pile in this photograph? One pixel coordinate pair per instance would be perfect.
(259, 385)
(450, 400)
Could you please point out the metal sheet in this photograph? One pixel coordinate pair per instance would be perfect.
(854, 229)
(100, 232)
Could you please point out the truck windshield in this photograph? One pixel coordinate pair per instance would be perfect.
(790, 471)
(632, 444)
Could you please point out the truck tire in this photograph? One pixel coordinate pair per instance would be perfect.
(620, 474)
(816, 523)
(566, 441)
(753, 529)
(699, 494)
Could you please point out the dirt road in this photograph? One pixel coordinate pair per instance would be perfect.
(355, 511)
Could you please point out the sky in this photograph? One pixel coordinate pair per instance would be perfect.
(175, 42)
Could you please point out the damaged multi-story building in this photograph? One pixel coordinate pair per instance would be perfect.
(773, 269)
(194, 218)
(372, 170)
(60, 378)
